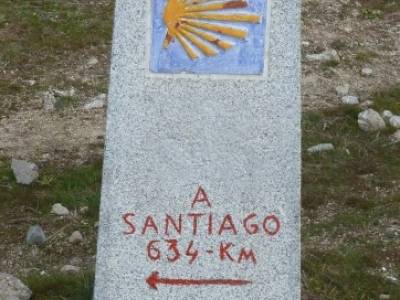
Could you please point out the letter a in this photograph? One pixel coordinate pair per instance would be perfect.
(201, 196)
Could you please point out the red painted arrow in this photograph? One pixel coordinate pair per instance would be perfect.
(155, 279)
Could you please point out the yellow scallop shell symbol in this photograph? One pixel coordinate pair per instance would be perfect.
(191, 23)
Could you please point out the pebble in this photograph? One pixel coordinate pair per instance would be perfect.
(97, 102)
(394, 121)
(321, 147)
(67, 93)
(395, 137)
(84, 210)
(386, 115)
(48, 101)
(11, 288)
(75, 238)
(92, 61)
(350, 100)
(35, 236)
(384, 297)
(59, 210)
(325, 56)
(70, 269)
(25, 172)
(369, 120)
(342, 90)
(366, 72)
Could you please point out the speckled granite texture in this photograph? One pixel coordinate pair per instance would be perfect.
(237, 137)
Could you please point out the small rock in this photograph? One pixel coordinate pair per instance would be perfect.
(320, 148)
(70, 269)
(76, 261)
(92, 61)
(25, 172)
(75, 238)
(370, 121)
(384, 297)
(97, 102)
(84, 210)
(342, 90)
(48, 101)
(395, 137)
(30, 82)
(68, 93)
(11, 288)
(394, 121)
(59, 210)
(325, 56)
(392, 279)
(35, 236)
(348, 29)
(366, 72)
(386, 115)
(350, 100)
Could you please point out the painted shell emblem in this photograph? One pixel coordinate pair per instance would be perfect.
(199, 25)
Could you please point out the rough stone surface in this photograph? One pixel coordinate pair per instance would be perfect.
(350, 100)
(369, 120)
(59, 210)
(75, 238)
(394, 121)
(70, 269)
(25, 172)
(97, 102)
(343, 90)
(11, 288)
(35, 236)
(328, 55)
(238, 137)
(321, 148)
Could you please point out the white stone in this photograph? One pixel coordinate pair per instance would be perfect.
(97, 102)
(370, 121)
(395, 137)
(70, 269)
(386, 115)
(48, 101)
(92, 61)
(321, 148)
(84, 210)
(35, 236)
(25, 172)
(343, 90)
(384, 297)
(13, 288)
(59, 210)
(325, 56)
(394, 121)
(75, 238)
(30, 82)
(366, 72)
(65, 93)
(350, 100)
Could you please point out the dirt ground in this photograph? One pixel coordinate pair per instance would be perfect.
(362, 38)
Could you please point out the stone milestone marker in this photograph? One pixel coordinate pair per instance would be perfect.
(201, 188)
